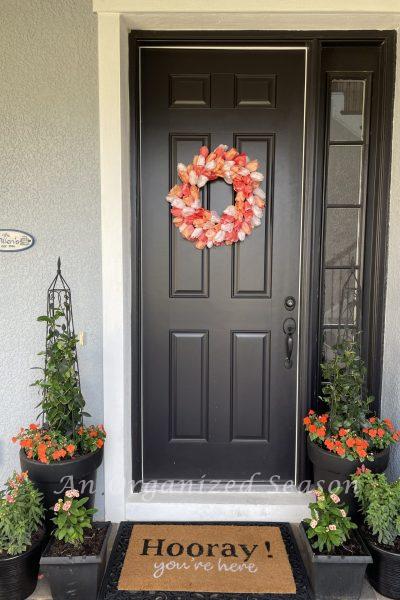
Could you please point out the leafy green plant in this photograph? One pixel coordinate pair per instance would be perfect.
(343, 389)
(72, 518)
(62, 402)
(21, 514)
(380, 504)
(329, 525)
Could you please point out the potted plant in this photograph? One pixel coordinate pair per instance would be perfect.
(75, 556)
(347, 434)
(61, 452)
(335, 555)
(380, 509)
(21, 537)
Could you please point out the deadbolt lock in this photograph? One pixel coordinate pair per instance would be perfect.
(290, 303)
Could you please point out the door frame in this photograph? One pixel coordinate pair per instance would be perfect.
(311, 219)
(116, 20)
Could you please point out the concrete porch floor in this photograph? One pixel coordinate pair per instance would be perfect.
(42, 591)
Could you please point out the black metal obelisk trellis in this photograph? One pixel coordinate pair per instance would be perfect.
(59, 300)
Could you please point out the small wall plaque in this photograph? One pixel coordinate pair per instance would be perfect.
(13, 240)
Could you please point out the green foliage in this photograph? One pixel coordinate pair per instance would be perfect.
(380, 504)
(343, 389)
(72, 518)
(21, 514)
(62, 401)
(329, 523)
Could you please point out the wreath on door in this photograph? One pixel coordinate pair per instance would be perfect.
(206, 228)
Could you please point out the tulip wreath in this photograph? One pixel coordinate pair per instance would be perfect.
(206, 228)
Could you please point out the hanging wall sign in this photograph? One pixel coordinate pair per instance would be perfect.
(13, 240)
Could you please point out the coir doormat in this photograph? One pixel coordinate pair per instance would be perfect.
(205, 560)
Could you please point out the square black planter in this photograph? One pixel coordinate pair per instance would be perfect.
(335, 577)
(77, 577)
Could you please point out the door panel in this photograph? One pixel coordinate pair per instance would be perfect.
(218, 401)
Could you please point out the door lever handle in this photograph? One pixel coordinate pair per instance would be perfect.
(289, 327)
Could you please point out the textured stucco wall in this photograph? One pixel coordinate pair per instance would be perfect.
(49, 186)
(391, 369)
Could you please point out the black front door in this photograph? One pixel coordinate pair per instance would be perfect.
(219, 401)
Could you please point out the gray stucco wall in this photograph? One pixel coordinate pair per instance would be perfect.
(391, 369)
(50, 187)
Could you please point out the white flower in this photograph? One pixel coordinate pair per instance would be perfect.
(69, 493)
(313, 524)
(67, 505)
(332, 527)
(335, 498)
(202, 180)
(192, 178)
(343, 512)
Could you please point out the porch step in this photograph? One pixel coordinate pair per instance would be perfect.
(289, 506)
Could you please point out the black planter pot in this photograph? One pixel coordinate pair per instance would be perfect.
(335, 577)
(330, 468)
(18, 574)
(76, 577)
(384, 573)
(54, 478)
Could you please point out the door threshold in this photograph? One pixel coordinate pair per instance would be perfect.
(290, 506)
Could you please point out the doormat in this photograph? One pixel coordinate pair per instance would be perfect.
(182, 561)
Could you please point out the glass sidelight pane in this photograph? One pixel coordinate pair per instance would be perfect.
(341, 237)
(347, 110)
(331, 337)
(344, 175)
(341, 297)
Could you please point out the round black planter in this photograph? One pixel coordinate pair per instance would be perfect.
(330, 468)
(384, 573)
(55, 478)
(18, 574)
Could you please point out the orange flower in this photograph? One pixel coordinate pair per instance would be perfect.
(329, 444)
(100, 443)
(321, 432)
(372, 419)
(323, 418)
(14, 439)
(361, 452)
(380, 432)
(396, 436)
(389, 423)
(306, 420)
(313, 428)
(93, 433)
(80, 430)
(42, 453)
(343, 432)
(361, 443)
(70, 449)
(26, 443)
(350, 442)
(340, 451)
(372, 432)
(33, 427)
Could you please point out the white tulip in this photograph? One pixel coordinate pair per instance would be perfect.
(202, 180)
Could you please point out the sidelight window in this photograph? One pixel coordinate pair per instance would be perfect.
(346, 158)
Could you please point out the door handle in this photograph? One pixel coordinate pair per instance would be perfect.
(289, 327)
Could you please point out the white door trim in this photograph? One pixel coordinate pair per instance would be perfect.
(115, 19)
